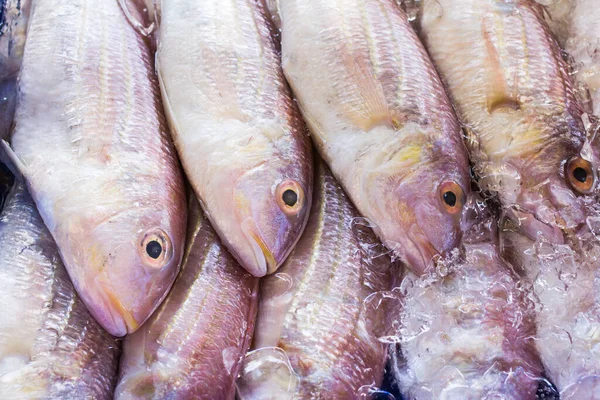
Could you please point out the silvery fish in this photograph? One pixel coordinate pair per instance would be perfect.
(380, 118)
(467, 330)
(193, 346)
(320, 318)
(512, 90)
(238, 132)
(14, 18)
(92, 143)
(50, 345)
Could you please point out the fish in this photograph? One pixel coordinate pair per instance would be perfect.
(380, 118)
(526, 134)
(321, 316)
(193, 346)
(237, 129)
(532, 149)
(91, 139)
(467, 329)
(576, 25)
(14, 20)
(51, 347)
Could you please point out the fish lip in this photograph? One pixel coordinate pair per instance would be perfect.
(554, 234)
(265, 260)
(427, 254)
(116, 318)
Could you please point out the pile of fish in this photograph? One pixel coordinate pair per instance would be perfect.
(299, 199)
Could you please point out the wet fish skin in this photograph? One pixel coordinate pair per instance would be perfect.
(193, 346)
(314, 313)
(467, 330)
(50, 345)
(237, 129)
(98, 160)
(576, 24)
(380, 118)
(512, 90)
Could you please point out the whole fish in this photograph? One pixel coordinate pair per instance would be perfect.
(512, 90)
(91, 138)
(193, 346)
(318, 325)
(50, 345)
(236, 127)
(467, 330)
(380, 118)
(528, 143)
(576, 24)
(14, 18)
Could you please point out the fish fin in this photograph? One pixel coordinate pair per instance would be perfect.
(141, 20)
(369, 107)
(499, 95)
(12, 161)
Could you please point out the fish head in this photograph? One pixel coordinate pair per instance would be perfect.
(547, 194)
(429, 204)
(131, 259)
(271, 204)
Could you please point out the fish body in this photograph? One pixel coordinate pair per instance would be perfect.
(193, 346)
(576, 24)
(529, 145)
(94, 148)
(318, 324)
(380, 118)
(50, 345)
(512, 90)
(467, 330)
(237, 129)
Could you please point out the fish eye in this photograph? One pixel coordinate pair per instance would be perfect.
(580, 175)
(290, 197)
(156, 249)
(452, 197)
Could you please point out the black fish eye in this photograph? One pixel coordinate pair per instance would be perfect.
(154, 249)
(580, 174)
(450, 198)
(290, 198)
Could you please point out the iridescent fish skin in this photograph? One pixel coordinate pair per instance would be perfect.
(193, 346)
(467, 330)
(315, 318)
(380, 118)
(576, 24)
(512, 90)
(90, 133)
(239, 134)
(14, 18)
(50, 345)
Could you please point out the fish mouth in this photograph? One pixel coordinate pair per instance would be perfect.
(117, 319)
(534, 228)
(421, 253)
(263, 256)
